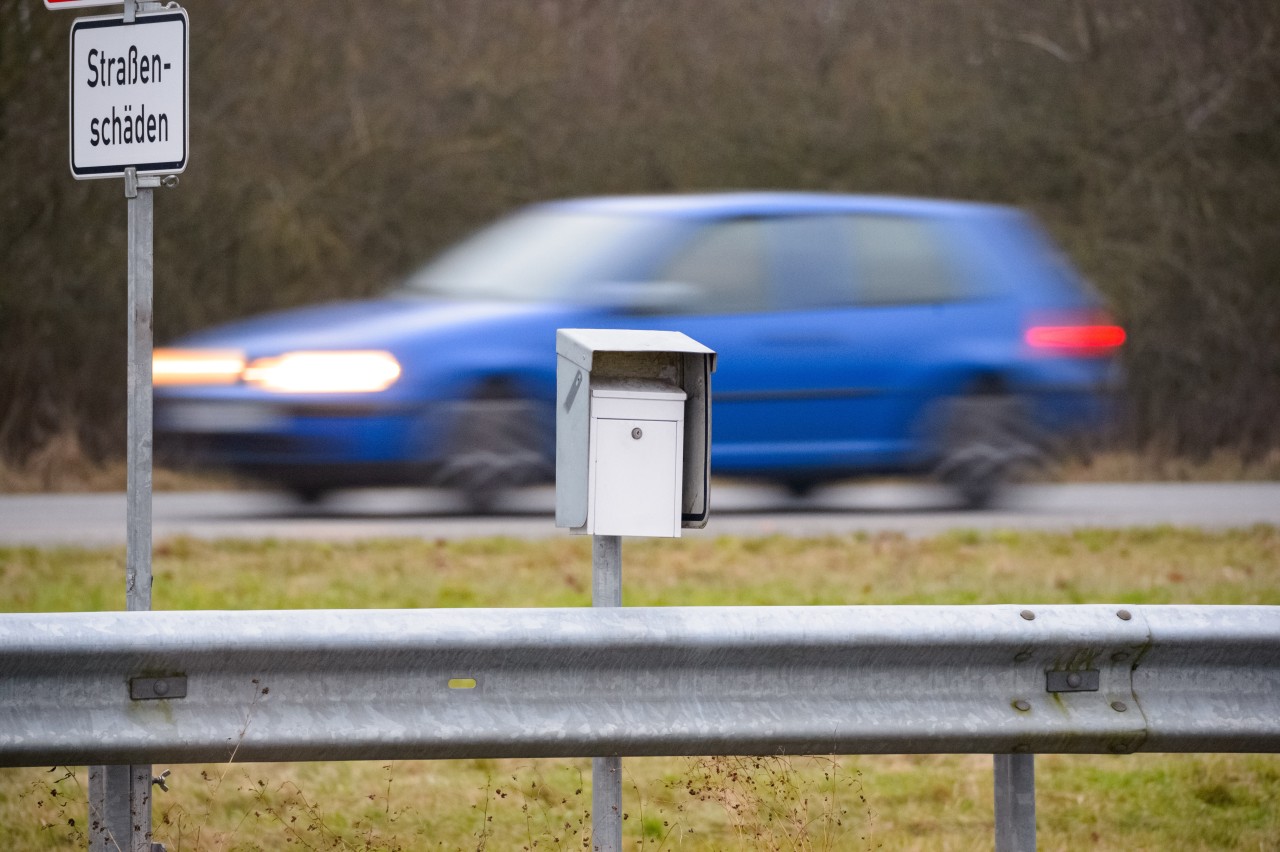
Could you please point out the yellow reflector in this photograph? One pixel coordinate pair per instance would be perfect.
(195, 367)
(324, 372)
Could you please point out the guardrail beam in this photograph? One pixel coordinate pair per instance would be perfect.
(374, 684)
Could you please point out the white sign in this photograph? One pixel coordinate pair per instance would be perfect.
(129, 95)
(75, 4)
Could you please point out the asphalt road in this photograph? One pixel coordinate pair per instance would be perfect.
(914, 510)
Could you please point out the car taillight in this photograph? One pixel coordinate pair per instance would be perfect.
(1091, 335)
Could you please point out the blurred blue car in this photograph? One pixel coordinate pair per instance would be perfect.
(856, 335)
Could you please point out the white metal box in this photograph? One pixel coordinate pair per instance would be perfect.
(610, 383)
(637, 458)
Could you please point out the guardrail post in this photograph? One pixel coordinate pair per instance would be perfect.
(120, 809)
(606, 772)
(1015, 802)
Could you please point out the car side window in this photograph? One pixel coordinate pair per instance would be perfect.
(899, 260)
(814, 264)
(839, 259)
(726, 264)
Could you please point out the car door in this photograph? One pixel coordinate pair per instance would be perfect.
(891, 305)
(778, 390)
(724, 268)
(827, 328)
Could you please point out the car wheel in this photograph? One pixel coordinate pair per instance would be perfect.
(800, 488)
(308, 495)
(987, 440)
(499, 442)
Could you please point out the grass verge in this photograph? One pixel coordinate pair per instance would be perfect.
(898, 802)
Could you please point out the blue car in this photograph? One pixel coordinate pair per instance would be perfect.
(856, 335)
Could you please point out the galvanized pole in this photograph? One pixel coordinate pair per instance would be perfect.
(120, 796)
(1015, 802)
(606, 772)
(138, 518)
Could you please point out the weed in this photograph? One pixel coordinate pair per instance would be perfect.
(61, 805)
(770, 805)
(547, 815)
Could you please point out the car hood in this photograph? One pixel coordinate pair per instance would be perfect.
(368, 324)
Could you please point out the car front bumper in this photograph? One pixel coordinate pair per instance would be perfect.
(355, 443)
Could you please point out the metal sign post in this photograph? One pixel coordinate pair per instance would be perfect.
(141, 203)
(128, 118)
(120, 796)
(126, 791)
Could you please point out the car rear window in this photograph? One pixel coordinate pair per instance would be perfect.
(899, 260)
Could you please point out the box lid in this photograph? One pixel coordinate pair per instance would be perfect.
(579, 345)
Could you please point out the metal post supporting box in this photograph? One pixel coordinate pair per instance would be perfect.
(633, 431)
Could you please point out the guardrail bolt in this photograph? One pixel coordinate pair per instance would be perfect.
(1119, 656)
(1119, 706)
(1022, 657)
(1021, 705)
(1124, 615)
(1074, 680)
(1028, 615)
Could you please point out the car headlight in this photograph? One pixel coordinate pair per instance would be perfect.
(196, 367)
(292, 372)
(324, 372)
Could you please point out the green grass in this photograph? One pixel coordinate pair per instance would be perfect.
(899, 802)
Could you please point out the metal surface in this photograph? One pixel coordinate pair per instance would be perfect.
(374, 684)
(120, 796)
(138, 494)
(606, 771)
(1073, 681)
(635, 481)
(606, 570)
(1015, 802)
(584, 357)
(120, 809)
(153, 688)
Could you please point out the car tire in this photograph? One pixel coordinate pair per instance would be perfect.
(986, 441)
(499, 441)
(309, 495)
(800, 488)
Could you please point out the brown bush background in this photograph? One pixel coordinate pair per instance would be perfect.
(335, 145)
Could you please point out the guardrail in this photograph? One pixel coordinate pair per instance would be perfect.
(177, 687)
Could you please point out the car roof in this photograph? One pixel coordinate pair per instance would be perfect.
(730, 204)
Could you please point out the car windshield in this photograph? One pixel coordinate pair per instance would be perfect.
(535, 255)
